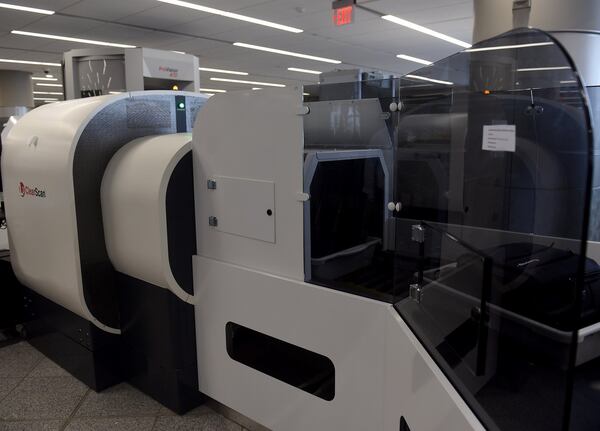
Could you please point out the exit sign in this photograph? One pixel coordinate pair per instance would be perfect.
(343, 12)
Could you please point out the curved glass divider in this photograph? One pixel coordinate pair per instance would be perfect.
(491, 171)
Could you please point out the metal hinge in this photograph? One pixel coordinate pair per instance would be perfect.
(418, 233)
(416, 292)
(212, 221)
(211, 184)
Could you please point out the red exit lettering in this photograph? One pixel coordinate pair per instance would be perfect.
(343, 15)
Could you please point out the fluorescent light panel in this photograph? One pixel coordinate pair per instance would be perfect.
(26, 9)
(241, 81)
(41, 78)
(46, 99)
(52, 93)
(501, 47)
(43, 84)
(290, 53)
(423, 78)
(312, 72)
(213, 90)
(232, 15)
(39, 63)
(414, 59)
(425, 30)
(230, 72)
(542, 69)
(71, 39)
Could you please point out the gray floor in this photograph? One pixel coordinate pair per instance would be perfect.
(38, 395)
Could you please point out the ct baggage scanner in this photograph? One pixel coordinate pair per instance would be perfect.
(421, 257)
(58, 162)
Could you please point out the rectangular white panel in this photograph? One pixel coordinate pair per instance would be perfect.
(231, 140)
(245, 207)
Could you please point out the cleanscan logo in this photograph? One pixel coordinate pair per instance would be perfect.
(28, 191)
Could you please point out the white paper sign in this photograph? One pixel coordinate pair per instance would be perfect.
(499, 138)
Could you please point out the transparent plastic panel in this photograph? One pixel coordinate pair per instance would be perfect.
(490, 192)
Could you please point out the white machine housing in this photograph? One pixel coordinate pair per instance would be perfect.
(246, 277)
(134, 213)
(53, 162)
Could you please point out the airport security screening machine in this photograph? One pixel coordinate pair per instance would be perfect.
(402, 254)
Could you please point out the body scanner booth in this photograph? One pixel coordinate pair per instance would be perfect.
(421, 257)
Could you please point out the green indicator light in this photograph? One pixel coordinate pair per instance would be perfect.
(181, 105)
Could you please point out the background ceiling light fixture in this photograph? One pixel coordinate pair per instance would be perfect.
(53, 93)
(230, 72)
(423, 78)
(290, 53)
(213, 90)
(39, 63)
(232, 15)
(43, 84)
(71, 39)
(241, 81)
(414, 59)
(312, 72)
(26, 9)
(543, 69)
(501, 47)
(41, 78)
(425, 30)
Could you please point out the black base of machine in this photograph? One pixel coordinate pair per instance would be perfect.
(87, 352)
(159, 344)
(11, 301)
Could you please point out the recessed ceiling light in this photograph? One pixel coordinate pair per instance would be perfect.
(423, 78)
(240, 81)
(42, 84)
(496, 48)
(306, 94)
(312, 72)
(414, 59)
(542, 69)
(46, 99)
(41, 78)
(71, 39)
(232, 15)
(256, 88)
(290, 53)
(425, 30)
(213, 90)
(230, 72)
(49, 76)
(53, 93)
(26, 9)
(40, 63)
